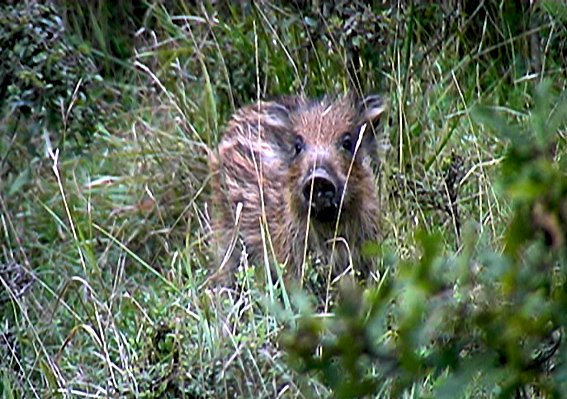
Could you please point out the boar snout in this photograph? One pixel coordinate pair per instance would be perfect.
(326, 195)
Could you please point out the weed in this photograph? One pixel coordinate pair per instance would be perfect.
(104, 252)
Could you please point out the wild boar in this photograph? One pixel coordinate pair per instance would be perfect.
(294, 178)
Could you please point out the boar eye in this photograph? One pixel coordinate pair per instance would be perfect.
(347, 143)
(298, 145)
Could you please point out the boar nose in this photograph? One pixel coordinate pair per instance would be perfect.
(324, 189)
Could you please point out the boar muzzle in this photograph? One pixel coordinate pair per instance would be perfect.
(326, 195)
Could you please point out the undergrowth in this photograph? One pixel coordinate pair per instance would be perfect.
(106, 241)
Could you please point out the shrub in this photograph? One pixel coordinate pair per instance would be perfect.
(49, 85)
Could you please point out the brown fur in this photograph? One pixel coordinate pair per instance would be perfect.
(261, 165)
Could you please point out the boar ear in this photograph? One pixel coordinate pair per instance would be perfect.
(277, 125)
(370, 108)
(278, 113)
(277, 116)
(375, 143)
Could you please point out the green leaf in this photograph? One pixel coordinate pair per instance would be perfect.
(556, 8)
(6, 388)
(541, 111)
(21, 180)
(209, 102)
(525, 190)
(486, 116)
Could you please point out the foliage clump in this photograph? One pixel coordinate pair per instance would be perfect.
(49, 84)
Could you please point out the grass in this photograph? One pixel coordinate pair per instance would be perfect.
(115, 240)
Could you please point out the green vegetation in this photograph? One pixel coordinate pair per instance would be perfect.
(108, 112)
